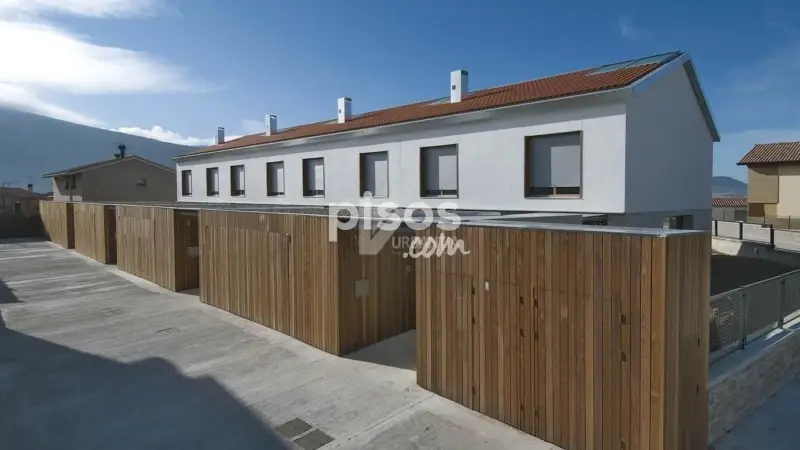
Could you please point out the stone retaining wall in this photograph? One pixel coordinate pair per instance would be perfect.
(736, 393)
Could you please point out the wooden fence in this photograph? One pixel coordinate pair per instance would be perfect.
(159, 245)
(588, 340)
(58, 221)
(95, 231)
(282, 271)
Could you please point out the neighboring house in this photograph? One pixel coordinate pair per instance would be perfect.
(126, 179)
(630, 140)
(773, 184)
(731, 209)
(23, 202)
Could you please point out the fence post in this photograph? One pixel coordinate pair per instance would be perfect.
(716, 228)
(741, 230)
(771, 236)
(743, 322)
(782, 303)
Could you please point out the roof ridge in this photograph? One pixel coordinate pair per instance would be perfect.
(777, 143)
(549, 87)
(515, 83)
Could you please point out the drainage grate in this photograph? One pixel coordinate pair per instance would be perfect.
(313, 440)
(293, 428)
(303, 435)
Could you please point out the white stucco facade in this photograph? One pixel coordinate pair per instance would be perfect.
(644, 153)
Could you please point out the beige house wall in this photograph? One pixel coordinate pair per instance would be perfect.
(129, 181)
(62, 194)
(789, 191)
(762, 184)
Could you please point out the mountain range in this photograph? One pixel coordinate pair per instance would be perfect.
(32, 145)
(728, 187)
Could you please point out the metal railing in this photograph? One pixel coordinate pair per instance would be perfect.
(767, 234)
(749, 312)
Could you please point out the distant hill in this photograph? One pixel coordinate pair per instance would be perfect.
(32, 145)
(728, 187)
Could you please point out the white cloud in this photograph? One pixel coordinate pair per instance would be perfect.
(88, 8)
(159, 133)
(16, 97)
(40, 56)
(629, 30)
(44, 56)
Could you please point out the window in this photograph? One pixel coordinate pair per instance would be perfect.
(439, 171)
(70, 182)
(677, 223)
(375, 174)
(237, 181)
(314, 177)
(755, 209)
(186, 183)
(212, 181)
(275, 182)
(553, 165)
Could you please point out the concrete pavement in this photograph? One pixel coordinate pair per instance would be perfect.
(93, 359)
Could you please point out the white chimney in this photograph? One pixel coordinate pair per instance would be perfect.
(220, 135)
(345, 111)
(272, 125)
(459, 85)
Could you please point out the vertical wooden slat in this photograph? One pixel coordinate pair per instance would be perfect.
(645, 285)
(625, 356)
(586, 339)
(634, 342)
(609, 356)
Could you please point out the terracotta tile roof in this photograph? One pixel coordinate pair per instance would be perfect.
(729, 202)
(569, 84)
(778, 152)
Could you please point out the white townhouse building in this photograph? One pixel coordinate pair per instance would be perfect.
(631, 141)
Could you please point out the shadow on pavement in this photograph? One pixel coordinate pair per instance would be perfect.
(398, 351)
(7, 294)
(56, 397)
(731, 272)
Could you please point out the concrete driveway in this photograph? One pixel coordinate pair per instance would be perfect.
(94, 359)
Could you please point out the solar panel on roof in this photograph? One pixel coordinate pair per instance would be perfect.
(611, 67)
(655, 59)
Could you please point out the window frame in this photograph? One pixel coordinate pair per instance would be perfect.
(209, 192)
(282, 193)
(316, 193)
(528, 176)
(423, 193)
(362, 174)
(184, 193)
(237, 192)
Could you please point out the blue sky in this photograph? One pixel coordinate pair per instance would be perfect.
(177, 69)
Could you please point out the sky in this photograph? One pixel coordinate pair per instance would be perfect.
(175, 70)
